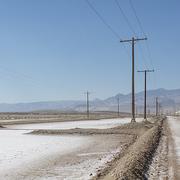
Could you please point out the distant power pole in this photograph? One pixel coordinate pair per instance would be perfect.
(132, 41)
(145, 91)
(87, 104)
(118, 105)
(157, 106)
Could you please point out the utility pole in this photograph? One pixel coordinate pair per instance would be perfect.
(157, 106)
(87, 104)
(132, 41)
(145, 90)
(118, 105)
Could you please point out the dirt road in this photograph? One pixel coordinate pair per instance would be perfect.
(174, 149)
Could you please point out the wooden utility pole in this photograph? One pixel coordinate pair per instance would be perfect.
(145, 91)
(118, 105)
(87, 104)
(157, 106)
(132, 41)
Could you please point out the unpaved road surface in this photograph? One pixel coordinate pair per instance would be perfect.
(174, 124)
(166, 161)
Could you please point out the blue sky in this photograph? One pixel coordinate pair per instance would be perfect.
(56, 50)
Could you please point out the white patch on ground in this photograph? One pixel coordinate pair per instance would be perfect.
(174, 123)
(174, 151)
(25, 156)
(18, 150)
(158, 169)
(82, 170)
(98, 124)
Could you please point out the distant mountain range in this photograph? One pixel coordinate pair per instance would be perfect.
(169, 100)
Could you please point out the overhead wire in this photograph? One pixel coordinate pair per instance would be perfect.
(128, 23)
(105, 23)
(125, 17)
(132, 30)
(143, 32)
(13, 73)
(137, 18)
(103, 20)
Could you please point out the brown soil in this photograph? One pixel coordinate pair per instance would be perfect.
(147, 151)
(134, 164)
(130, 128)
(11, 119)
(135, 156)
(151, 157)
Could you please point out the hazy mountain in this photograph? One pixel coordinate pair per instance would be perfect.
(169, 99)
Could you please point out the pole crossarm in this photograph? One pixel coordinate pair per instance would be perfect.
(135, 39)
(146, 70)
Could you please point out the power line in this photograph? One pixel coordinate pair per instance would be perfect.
(102, 19)
(142, 30)
(131, 28)
(15, 74)
(144, 34)
(143, 56)
(125, 17)
(137, 18)
(149, 54)
(105, 23)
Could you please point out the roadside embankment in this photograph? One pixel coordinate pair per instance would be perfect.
(129, 128)
(134, 160)
(135, 163)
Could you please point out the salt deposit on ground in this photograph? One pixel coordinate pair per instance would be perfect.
(25, 156)
(20, 151)
(98, 124)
